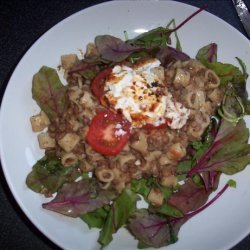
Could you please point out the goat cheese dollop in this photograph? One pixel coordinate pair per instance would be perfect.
(139, 93)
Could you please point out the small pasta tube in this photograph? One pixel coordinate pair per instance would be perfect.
(155, 197)
(182, 78)
(45, 141)
(69, 159)
(212, 79)
(195, 99)
(85, 166)
(69, 141)
(39, 122)
(125, 158)
(104, 175)
(194, 66)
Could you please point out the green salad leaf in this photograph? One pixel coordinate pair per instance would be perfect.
(49, 92)
(121, 209)
(207, 53)
(48, 175)
(96, 218)
(77, 198)
(157, 37)
(141, 186)
(153, 230)
(232, 80)
(229, 153)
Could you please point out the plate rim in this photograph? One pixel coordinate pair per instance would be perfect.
(18, 64)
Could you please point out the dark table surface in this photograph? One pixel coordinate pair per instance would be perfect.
(21, 24)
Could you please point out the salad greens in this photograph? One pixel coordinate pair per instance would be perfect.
(120, 211)
(232, 79)
(48, 175)
(49, 92)
(80, 197)
(223, 148)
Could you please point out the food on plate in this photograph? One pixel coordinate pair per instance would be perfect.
(138, 119)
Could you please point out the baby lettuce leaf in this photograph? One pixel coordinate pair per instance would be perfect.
(168, 55)
(189, 197)
(49, 92)
(114, 49)
(77, 198)
(226, 72)
(160, 36)
(202, 146)
(141, 186)
(196, 149)
(86, 69)
(157, 37)
(48, 175)
(229, 153)
(210, 179)
(96, 218)
(207, 53)
(121, 209)
(243, 67)
(182, 169)
(167, 209)
(232, 108)
(232, 79)
(178, 43)
(153, 230)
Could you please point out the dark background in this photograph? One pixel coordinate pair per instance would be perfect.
(21, 24)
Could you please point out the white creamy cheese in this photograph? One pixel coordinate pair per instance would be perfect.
(177, 113)
(142, 97)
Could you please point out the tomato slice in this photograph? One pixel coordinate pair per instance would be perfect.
(161, 126)
(108, 133)
(97, 84)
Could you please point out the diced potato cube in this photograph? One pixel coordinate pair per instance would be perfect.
(69, 141)
(92, 51)
(69, 60)
(155, 197)
(45, 141)
(39, 122)
(169, 181)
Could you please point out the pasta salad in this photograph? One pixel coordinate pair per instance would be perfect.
(138, 120)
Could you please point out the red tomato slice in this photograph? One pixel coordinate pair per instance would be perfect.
(161, 126)
(97, 84)
(108, 133)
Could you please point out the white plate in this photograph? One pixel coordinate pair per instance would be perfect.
(220, 226)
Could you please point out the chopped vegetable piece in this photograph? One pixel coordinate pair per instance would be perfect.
(108, 133)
